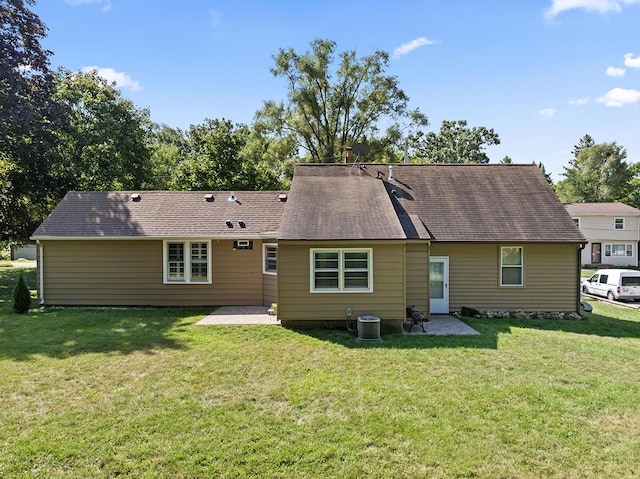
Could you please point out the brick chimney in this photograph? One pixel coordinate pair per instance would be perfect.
(348, 155)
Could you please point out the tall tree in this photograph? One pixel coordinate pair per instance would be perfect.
(332, 106)
(28, 117)
(599, 173)
(455, 143)
(105, 146)
(585, 142)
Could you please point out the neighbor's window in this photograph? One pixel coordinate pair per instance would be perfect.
(618, 223)
(270, 258)
(618, 249)
(187, 262)
(341, 270)
(577, 222)
(511, 266)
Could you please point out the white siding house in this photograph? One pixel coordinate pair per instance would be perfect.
(612, 231)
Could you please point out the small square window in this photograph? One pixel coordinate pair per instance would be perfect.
(618, 223)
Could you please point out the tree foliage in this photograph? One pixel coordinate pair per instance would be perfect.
(335, 104)
(28, 117)
(455, 143)
(598, 173)
(105, 146)
(213, 160)
(21, 296)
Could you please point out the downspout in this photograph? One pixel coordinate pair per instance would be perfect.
(582, 247)
(41, 270)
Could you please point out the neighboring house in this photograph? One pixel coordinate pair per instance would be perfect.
(23, 251)
(372, 239)
(612, 231)
(160, 248)
(350, 239)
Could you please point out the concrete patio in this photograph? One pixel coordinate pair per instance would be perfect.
(438, 325)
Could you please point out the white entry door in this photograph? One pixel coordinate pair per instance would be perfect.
(439, 284)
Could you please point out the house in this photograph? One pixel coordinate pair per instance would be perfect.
(346, 240)
(612, 231)
(371, 239)
(160, 248)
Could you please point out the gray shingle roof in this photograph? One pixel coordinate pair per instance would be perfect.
(586, 209)
(166, 214)
(443, 202)
(348, 206)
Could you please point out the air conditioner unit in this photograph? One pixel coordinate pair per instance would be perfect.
(243, 243)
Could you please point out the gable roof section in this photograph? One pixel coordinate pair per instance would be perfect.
(163, 214)
(601, 209)
(331, 202)
(483, 203)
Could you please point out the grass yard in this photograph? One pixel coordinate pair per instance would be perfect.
(145, 393)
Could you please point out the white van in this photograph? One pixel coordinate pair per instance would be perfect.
(614, 284)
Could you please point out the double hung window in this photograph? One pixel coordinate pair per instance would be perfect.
(343, 270)
(511, 266)
(270, 258)
(187, 262)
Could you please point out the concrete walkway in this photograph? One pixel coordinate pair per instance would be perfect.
(239, 315)
(439, 324)
(443, 325)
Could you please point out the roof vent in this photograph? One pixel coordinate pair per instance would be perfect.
(242, 224)
(282, 197)
(135, 197)
(232, 198)
(208, 198)
(391, 178)
(229, 223)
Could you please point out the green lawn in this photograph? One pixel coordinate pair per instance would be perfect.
(145, 393)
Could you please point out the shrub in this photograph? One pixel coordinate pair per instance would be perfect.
(21, 296)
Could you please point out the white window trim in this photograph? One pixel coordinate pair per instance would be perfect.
(521, 266)
(187, 261)
(341, 288)
(608, 250)
(264, 258)
(623, 224)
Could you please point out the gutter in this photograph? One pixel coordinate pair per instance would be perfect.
(580, 249)
(40, 271)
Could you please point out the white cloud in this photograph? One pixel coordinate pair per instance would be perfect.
(122, 80)
(616, 72)
(579, 101)
(547, 112)
(619, 97)
(412, 45)
(106, 4)
(600, 6)
(631, 62)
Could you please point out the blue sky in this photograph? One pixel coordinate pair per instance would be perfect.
(541, 73)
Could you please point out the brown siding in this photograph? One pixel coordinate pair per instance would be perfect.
(417, 255)
(297, 304)
(270, 289)
(130, 273)
(550, 277)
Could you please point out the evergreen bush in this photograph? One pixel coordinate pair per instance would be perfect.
(21, 296)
